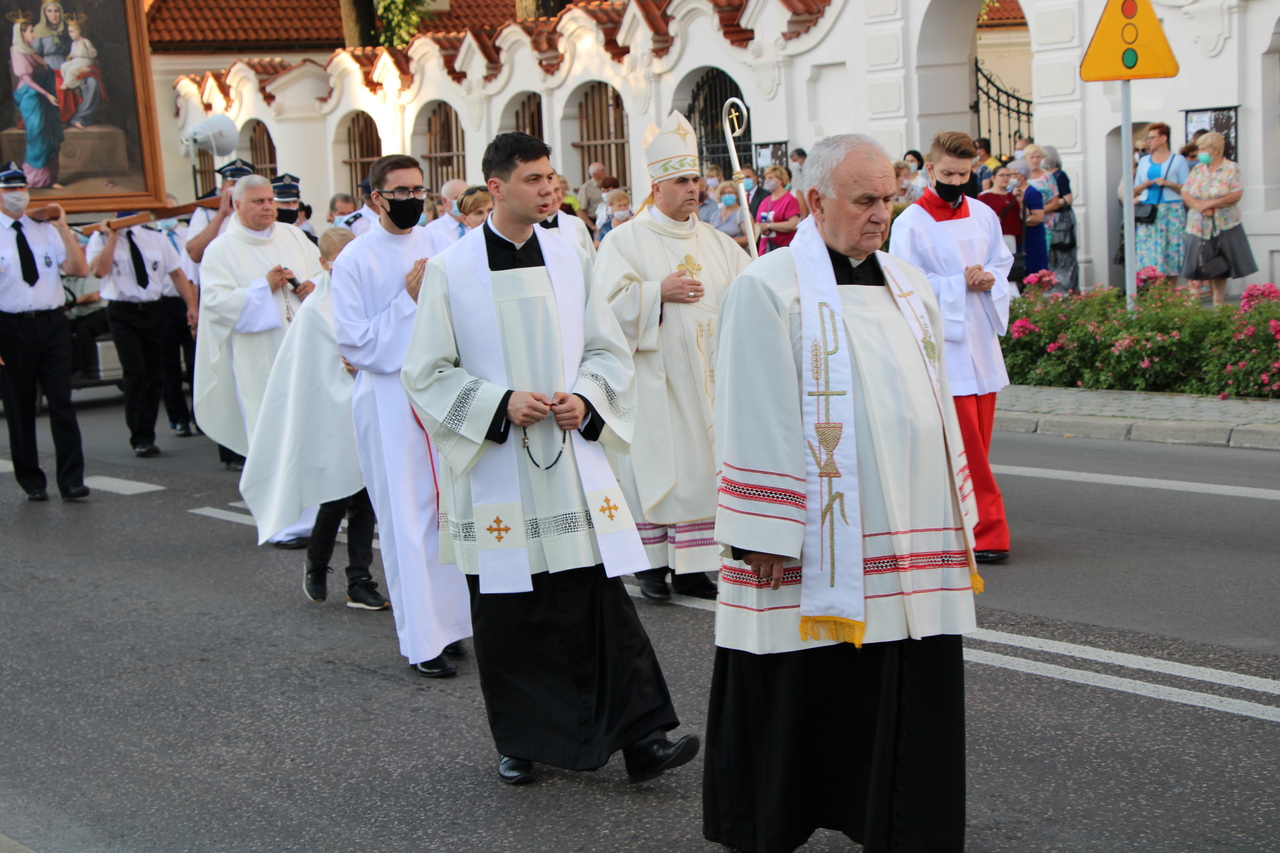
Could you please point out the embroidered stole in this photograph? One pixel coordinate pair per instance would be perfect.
(832, 598)
(502, 554)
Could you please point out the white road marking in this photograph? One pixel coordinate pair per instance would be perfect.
(1127, 685)
(6, 467)
(119, 486)
(223, 515)
(1182, 670)
(8, 845)
(1139, 482)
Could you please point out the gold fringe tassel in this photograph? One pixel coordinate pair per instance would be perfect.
(832, 628)
(976, 582)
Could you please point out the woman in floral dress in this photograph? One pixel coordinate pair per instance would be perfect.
(1159, 179)
(1212, 194)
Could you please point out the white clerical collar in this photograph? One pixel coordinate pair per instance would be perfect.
(688, 225)
(494, 229)
(263, 234)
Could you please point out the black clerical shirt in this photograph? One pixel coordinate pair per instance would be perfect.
(867, 273)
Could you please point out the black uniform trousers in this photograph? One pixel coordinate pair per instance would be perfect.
(179, 348)
(138, 329)
(358, 510)
(85, 330)
(36, 349)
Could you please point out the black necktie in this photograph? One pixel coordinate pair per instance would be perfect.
(139, 265)
(30, 272)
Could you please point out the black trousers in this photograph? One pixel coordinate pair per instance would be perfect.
(36, 350)
(358, 511)
(138, 329)
(85, 330)
(179, 347)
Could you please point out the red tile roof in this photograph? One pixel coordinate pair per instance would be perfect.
(804, 14)
(464, 15)
(1004, 13)
(214, 25)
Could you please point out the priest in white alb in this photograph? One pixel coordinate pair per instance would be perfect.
(665, 275)
(837, 697)
(253, 279)
(567, 225)
(520, 373)
(376, 283)
(959, 246)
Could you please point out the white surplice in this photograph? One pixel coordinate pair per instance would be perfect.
(303, 450)
(373, 320)
(670, 476)
(575, 231)
(972, 322)
(243, 323)
(458, 409)
(914, 529)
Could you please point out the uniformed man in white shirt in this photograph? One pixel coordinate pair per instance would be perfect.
(35, 337)
(131, 264)
(362, 220)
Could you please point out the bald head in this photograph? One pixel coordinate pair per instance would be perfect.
(596, 170)
(452, 190)
(852, 193)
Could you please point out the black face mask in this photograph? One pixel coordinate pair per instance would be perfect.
(286, 215)
(950, 193)
(404, 214)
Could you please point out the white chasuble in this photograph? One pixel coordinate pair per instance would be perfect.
(303, 449)
(669, 477)
(243, 323)
(542, 499)
(972, 321)
(373, 321)
(915, 523)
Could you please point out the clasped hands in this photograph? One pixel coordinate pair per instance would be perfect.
(526, 408)
(279, 276)
(977, 279)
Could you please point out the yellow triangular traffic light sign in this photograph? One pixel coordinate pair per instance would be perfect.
(1129, 44)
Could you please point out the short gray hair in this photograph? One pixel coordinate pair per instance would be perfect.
(248, 182)
(1052, 160)
(820, 165)
(1021, 166)
(341, 198)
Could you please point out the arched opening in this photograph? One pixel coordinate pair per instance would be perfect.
(444, 157)
(1118, 148)
(363, 147)
(710, 88)
(262, 148)
(526, 115)
(601, 132)
(1002, 76)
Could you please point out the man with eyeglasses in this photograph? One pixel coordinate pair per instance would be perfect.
(375, 291)
(253, 279)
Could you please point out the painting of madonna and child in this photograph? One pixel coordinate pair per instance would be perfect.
(76, 109)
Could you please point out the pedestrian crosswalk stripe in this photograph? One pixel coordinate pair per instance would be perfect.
(1139, 482)
(118, 486)
(6, 467)
(223, 515)
(8, 845)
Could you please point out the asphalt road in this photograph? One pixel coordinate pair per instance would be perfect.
(165, 686)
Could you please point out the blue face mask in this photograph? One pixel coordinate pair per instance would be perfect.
(749, 184)
(1205, 157)
(422, 220)
(456, 212)
(168, 224)
(729, 200)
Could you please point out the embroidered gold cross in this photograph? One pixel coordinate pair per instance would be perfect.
(680, 131)
(609, 508)
(690, 266)
(497, 528)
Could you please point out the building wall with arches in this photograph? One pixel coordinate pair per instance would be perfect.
(899, 70)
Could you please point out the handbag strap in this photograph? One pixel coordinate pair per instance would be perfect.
(1164, 177)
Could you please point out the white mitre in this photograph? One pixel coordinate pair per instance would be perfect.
(671, 150)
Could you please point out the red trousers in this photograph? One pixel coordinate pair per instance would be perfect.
(977, 415)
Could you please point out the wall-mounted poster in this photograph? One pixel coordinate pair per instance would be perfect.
(77, 111)
(1221, 119)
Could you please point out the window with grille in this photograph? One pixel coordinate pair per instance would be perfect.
(529, 115)
(445, 157)
(262, 150)
(364, 146)
(602, 132)
(202, 173)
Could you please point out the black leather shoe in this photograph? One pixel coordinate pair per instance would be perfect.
(990, 556)
(437, 667)
(37, 496)
(515, 771)
(658, 756)
(75, 493)
(696, 585)
(653, 584)
(456, 650)
(297, 543)
(183, 431)
(142, 451)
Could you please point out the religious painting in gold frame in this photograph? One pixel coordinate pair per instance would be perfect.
(77, 110)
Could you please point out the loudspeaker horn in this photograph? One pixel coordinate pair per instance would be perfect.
(216, 134)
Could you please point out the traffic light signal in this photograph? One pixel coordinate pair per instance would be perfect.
(1129, 44)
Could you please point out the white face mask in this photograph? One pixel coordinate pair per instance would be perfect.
(771, 184)
(15, 202)
(712, 183)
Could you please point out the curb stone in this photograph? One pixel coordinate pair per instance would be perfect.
(1205, 433)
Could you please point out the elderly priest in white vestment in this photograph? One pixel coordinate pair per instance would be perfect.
(253, 278)
(837, 698)
(665, 275)
(520, 373)
(376, 283)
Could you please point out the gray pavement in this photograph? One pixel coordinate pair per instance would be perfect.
(165, 686)
(1140, 416)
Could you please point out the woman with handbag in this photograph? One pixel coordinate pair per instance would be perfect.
(1216, 245)
(1062, 234)
(1159, 214)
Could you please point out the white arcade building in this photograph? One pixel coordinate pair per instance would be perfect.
(588, 77)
